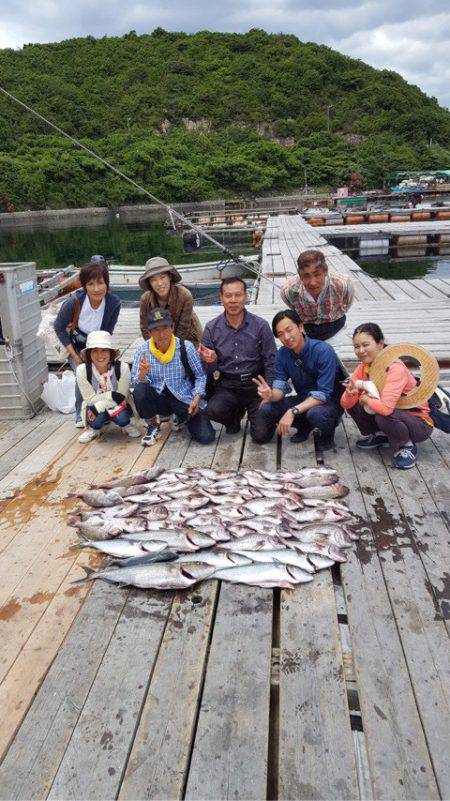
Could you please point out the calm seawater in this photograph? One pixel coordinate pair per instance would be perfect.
(125, 243)
(385, 267)
(134, 243)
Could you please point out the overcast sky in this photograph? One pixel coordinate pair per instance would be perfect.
(409, 36)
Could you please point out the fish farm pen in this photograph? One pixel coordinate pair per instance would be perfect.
(337, 689)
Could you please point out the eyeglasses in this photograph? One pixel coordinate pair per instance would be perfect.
(98, 259)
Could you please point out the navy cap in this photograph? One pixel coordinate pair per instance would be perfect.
(158, 318)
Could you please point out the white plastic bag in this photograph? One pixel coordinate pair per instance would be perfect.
(46, 331)
(59, 393)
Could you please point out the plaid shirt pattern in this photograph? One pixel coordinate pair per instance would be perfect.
(333, 302)
(172, 375)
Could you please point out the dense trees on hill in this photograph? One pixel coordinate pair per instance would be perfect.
(198, 116)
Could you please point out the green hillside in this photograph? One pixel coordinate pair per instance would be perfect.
(206, 115)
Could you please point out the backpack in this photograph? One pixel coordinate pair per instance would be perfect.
(439, 404)
(185, 362)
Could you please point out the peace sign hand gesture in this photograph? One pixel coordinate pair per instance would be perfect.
(264, 391)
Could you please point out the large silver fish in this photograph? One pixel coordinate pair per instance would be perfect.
(323, 549)
(338, 535)
(188, 504)
(260, 506)
(121, 548)
(328, 515)
(319, 561)
(142, 477)
(145, 559)
(260, 574)
(183, 541)
(124, 510)
(324, 534)
(154, 512)
(285, 556)
(99, 498)
(111, 528)
(149, 498)
(231, 501)
(311, 481)
(151, 534)
(251, 542)
(331, 491)
(159, 576)
(220, 559)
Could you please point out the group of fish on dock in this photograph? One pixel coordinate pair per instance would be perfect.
(169, 529)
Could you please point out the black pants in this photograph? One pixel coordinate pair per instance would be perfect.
(324, 331)
(324, 418)
(229, 403)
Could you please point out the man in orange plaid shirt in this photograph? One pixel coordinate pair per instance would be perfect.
(320, 298)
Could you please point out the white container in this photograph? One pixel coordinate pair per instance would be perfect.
(23, 366)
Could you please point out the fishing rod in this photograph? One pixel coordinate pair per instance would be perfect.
(173, 214)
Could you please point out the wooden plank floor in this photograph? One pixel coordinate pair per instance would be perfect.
(338, 689)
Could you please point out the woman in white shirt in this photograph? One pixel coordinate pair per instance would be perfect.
(104, 385)
(92, 308)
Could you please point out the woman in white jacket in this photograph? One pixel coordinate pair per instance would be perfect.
(104, 383)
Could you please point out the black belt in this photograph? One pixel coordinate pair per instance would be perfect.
(242, 378)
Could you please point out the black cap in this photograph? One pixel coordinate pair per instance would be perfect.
(158, 318)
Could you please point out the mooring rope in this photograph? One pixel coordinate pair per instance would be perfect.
(170, 210)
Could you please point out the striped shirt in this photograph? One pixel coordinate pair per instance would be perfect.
(172, 375)
(333, 302)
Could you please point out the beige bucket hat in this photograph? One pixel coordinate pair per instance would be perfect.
(99, 339)
(429, 372)
(156, 266)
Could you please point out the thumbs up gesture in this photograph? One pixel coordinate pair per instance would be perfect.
(144, 368)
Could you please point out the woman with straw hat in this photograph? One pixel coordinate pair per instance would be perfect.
(162, 290)
(104, 384)
(375, 412)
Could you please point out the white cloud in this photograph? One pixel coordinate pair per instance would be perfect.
(409, 36)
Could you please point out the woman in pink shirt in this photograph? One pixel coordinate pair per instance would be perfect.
(377, 418)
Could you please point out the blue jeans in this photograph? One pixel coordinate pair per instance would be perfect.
(149, 403)
(100, 418)
(324, 417)
(78, 395)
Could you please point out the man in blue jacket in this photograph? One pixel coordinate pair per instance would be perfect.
(169, 379)
(312, 367)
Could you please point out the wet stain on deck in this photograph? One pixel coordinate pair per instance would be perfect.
(41, 597)
(440, 598)
(10, 609)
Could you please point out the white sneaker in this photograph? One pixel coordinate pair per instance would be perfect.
(88, 434)
(79, 424)
(132, 429)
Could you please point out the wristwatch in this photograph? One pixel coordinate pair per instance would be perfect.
(295, 411)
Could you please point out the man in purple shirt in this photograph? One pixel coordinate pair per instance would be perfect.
(239, 345)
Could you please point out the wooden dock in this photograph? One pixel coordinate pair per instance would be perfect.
(338, 689)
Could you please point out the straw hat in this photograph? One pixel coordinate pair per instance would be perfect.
(99, 339)
(429, 372)
(156, 266)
